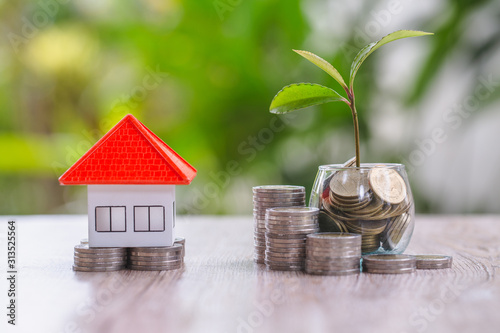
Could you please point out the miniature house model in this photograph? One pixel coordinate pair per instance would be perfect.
(131, 176)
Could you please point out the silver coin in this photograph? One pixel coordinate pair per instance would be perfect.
(100, 264)
(309, 266)
(285, 242)
(433, 261)
(284, 267)
(332, 255)
(278, 254)
(388, 258)
(97, 269)
(97, 260)
(335, 237)
(284, 247)
(270, 235)
(156, 258)
(84, 248)
(278, 188)
(273, 199)
(389, 271)
(291, 219)
(100, 255)
(298, 263)
(332, 272)
(154, 268)
(160, 249)
(290, 228)
(292, 211)
(84, 241)
(154, 263)
(296, 232)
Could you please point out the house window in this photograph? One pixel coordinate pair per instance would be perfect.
(149, 218)
(110, 219)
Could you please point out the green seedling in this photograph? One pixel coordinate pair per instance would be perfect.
(301, 95)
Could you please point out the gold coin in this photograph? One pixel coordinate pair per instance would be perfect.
(349, 184)
(388, 185)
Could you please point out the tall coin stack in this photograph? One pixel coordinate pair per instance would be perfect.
(270, 196)
(286, 232)
(333, 253)
(372, 203)
(389, 263)
(99, 259)
(156, 258)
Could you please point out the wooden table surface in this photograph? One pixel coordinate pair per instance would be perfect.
(220, 289)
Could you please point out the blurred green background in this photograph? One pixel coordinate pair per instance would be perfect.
(202, 73)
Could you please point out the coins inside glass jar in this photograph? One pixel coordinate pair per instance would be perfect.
(372, 201)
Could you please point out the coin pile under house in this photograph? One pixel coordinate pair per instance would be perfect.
(104, 259)
(286, 232)
(332, 253)
(270, 196)
(99, 259)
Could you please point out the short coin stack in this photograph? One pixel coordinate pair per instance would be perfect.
(372, 202)
(269, 196)
(389, 263)
(333, 253)
(156, 258)
(433, 261)
(286, 231)
(99, 259)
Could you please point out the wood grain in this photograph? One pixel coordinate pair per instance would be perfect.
(220, 289)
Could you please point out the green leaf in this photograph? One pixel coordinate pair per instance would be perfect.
(301, 95)
(324, 65)
(368, 49)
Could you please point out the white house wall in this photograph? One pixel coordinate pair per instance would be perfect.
(130, 196)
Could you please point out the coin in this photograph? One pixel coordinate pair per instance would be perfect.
(349, 184)
(333, 253)
(389, 263)
(310, 270)
(278, 188)
(100, 259)
(269, 196)
(433, 261)
(97, 269)
(182, 241)
(387, 184)
(84, 248)
(155, 268)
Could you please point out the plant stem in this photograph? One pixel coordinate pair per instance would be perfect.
(352, 106)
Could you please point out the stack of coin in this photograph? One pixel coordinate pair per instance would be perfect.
(333, 253)
(99, 259)
(372, 202)
(269, 196)
(182, 241)
(389, 263)
(286, 231)
(156, 258)
(433, 261)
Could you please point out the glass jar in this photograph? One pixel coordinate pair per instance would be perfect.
(373, 200)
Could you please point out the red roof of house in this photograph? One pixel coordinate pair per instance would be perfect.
(129, 154)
